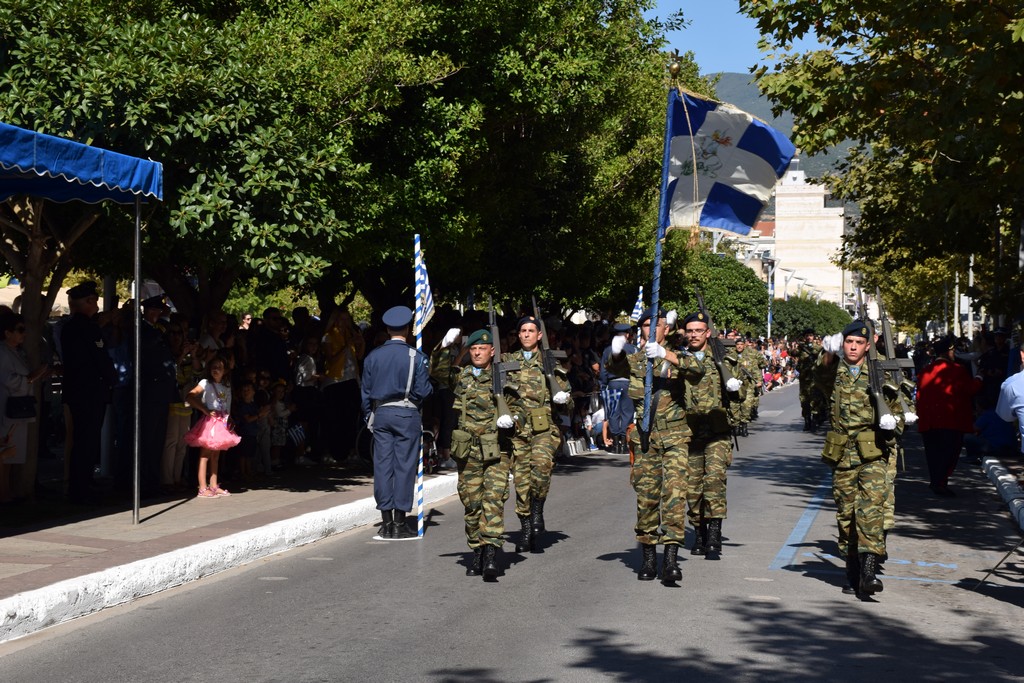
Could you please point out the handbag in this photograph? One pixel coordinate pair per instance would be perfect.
(20, 407)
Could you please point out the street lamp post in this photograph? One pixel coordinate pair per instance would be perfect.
(772, 264)
(785, 285)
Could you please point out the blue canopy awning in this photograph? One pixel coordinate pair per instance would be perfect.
(64, 170)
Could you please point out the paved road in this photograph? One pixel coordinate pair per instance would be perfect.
(353, 609)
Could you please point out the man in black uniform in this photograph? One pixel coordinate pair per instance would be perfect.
(88, 379)
(396, 381)
(620, 418)
(158, 380)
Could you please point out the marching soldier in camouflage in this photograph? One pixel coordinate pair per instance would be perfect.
(806, 353)
(754, 364)
(737, 410)
(481, 448)
(659, 476)
(857, 448)
(535, 444)
(711, 444)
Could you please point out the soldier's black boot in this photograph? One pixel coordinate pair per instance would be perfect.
(490, 562)
(807, 424)
(743, 430)
(869, 583)
(713, 549)
(537, 516)
(852, 586)
(700, 539)
(670, 565)
(476, 565)
(399, 529)
(525, 542)
(387, 524)
(649, 566)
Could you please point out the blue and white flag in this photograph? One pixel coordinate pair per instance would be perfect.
(424, 299)
(638, 307)
(722, 165)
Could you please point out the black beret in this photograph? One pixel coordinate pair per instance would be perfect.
(858, 328)
(807, 331)
(528, 320)
(941, 346)
(649, 313)
(155, 302)
(397, 317)
(697, 317)
(82, 290)
(480, 337)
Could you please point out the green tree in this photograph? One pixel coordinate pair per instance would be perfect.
(932, 93)
(790, 317)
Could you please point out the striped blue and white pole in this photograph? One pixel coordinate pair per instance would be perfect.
(420, 284)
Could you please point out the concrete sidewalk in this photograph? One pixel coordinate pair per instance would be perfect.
(72, 568)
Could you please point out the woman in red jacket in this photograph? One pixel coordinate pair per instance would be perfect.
(945, 396)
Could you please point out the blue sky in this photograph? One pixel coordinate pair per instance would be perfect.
(721, 38)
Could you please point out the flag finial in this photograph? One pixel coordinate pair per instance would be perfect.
(674, 67)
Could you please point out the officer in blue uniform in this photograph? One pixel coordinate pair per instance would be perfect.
(619, 413)
(396, 381)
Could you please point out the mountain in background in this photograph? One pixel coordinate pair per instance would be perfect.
(739, 91)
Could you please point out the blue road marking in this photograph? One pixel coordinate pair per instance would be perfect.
(916, 563)
(787, 554)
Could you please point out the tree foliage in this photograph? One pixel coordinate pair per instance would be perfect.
(790, 317)
(932, 93)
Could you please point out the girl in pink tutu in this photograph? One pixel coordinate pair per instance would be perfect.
(212, 397)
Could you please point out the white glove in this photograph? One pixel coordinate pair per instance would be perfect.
(833, 343)
(887, 422)
(561, 398)
(505, 421)
(449, 337)
(910, 418)
(671, 317)
(733, 384)
(618, 343)
(654, 350)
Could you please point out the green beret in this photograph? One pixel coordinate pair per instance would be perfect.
(480, 337)
(858, 328)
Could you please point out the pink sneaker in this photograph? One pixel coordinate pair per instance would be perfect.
(206, 493)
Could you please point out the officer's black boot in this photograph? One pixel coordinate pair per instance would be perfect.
(400, 529)
(670, 565)
(743, 430)
(617, 445)
(476, 565)
(714, 543)
(649, 566)
(525, 542)
(537, 516)
(700, 539)
(387, 524)
(869, 583)
(490, 562)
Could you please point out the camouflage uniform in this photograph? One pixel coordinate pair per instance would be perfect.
(859, 454)
(711, 444)
(483, 486)
(806, 356)
(754, 365)
(659, 476)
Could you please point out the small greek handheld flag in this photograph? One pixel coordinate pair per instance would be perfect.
(424, 298)
(723, 165)
(638, 307)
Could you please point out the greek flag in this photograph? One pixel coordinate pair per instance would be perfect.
(722, 167)
(424, 299)
(638, 307)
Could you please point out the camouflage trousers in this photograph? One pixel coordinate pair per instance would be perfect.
(860, 489)
(710, 457)
(533, 458)
(889, 512)
(483, 489)
(806, 389)
(660, 478)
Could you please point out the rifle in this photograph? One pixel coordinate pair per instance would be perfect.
(549, 358)
(718, 354)
(499, 369)
(876, 372)
(891, 362)
(717, 345)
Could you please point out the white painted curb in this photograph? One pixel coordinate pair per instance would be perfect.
(1007, 486)
(31, 611)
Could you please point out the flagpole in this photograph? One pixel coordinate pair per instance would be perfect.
(663, 217)
(420, 287)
